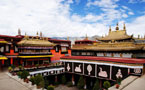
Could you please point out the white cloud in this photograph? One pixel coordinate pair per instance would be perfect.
(125, 15)
(137, 26)
(130, 13)
(52, 18)
(104, 3)
(136, 1)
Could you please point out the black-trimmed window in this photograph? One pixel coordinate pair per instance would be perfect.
(63, 49)
(57, 48)
(16, 49)
(2, 49)
(7, 48)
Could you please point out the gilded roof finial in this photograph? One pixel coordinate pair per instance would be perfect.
(26, 36)
(67, 38)
(40, 34)
(138, 36)
(19, 31)
(37, 35)
(86, 37)
(117, 28)
(124, 27)
(110, 28)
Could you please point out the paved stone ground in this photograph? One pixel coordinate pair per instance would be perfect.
(7, 83)
(62, 87)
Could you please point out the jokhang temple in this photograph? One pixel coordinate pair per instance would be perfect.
(117, 55)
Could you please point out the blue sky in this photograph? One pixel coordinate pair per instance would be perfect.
(71, 17)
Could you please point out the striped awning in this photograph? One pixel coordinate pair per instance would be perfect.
(38, 56)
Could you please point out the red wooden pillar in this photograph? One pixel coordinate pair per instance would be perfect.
(21, 62)
(3, 62)
(11, 61)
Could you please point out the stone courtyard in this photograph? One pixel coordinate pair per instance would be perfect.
(9, 83)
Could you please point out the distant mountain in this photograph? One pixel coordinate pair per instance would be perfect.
(73, 39)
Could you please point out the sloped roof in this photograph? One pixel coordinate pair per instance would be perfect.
(3, 41)
(116, 35)
(95, 48)
(35, 42)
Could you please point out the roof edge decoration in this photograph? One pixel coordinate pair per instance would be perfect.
(35, 42)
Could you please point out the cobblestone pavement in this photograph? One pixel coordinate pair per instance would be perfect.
(61, 87)
(7, 83)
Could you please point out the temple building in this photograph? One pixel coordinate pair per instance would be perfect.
(117, 55)
(116, 44)
(31, 50)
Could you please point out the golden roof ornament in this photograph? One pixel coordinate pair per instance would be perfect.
(124, 27)
(67, 38)
(37, 35)
(138, 36)
(109, 28)
(117, 28)
(26, 36)
(40, 34)
(19, 31)
(86, 37)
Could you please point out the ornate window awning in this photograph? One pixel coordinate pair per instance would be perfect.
(3, 58)
(38, 56)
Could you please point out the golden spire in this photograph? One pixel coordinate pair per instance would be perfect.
(37, 35)
(40, 34)
(117, 28)
(124, 27)
(67, 38)
(138, 36)
(26, 36)
(110, 28)
(86, 37)
(19, 31)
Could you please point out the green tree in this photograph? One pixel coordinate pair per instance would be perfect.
(96, 85)
(10, 68)
(46, 83)
(24, 74)
(50, 87)
(32, 79)
(19, 74)
(119, 80)
(20, 67)
(42, 84)
(106, 84)
(38, 79)
(63, 80)
(81, 83)
(13, 67)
